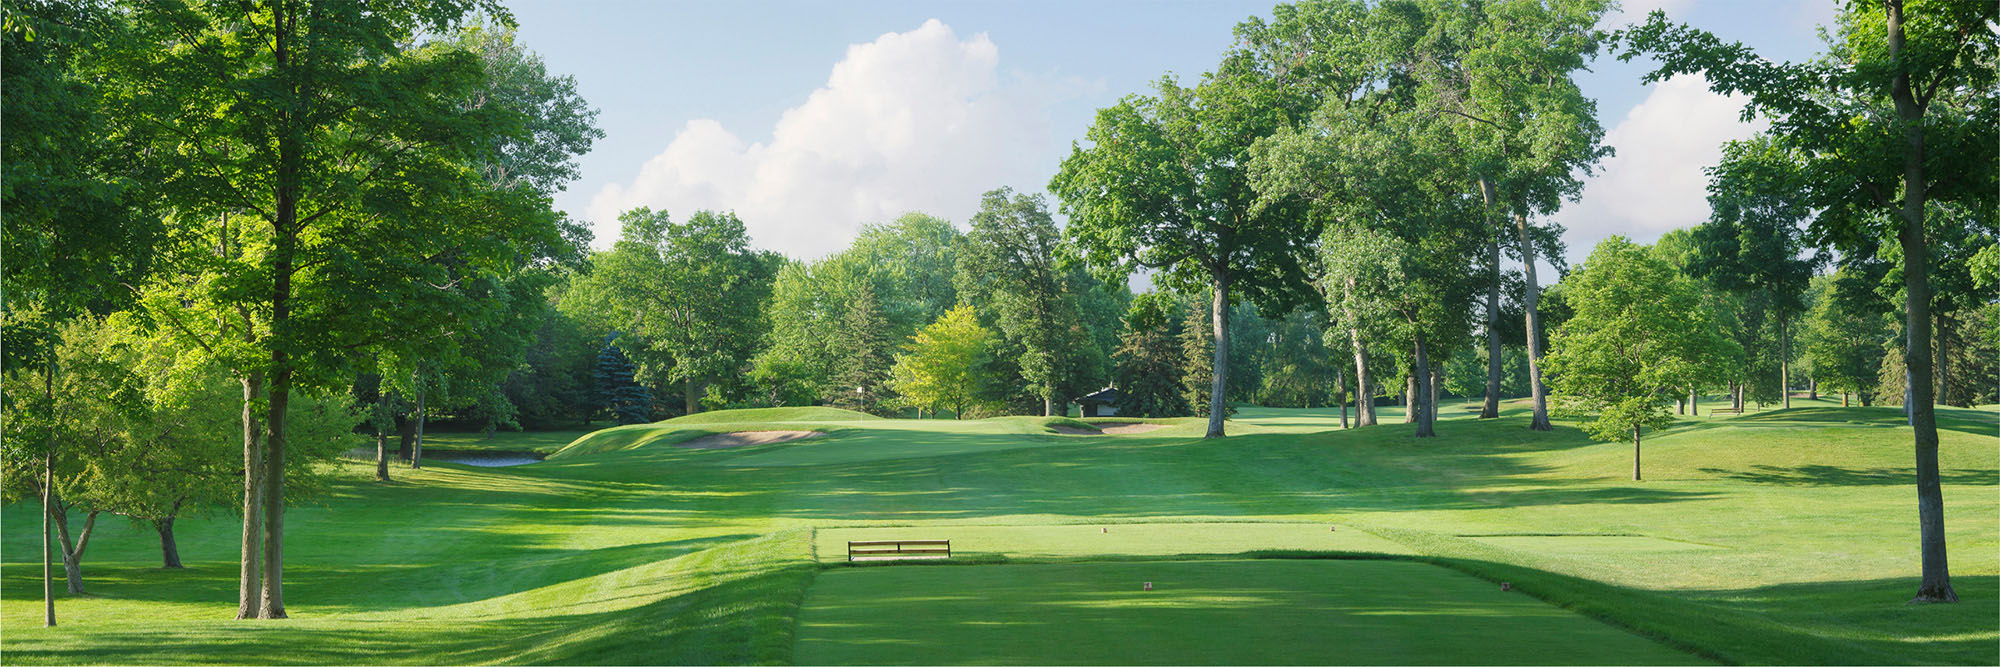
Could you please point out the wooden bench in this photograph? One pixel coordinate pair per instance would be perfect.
(1725, 411)
(897, 549)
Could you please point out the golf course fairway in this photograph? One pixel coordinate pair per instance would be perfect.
(1776, 537)
(1267, 612)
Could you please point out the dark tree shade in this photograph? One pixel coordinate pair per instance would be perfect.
(629, 401)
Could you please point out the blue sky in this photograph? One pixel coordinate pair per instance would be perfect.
(812, 118)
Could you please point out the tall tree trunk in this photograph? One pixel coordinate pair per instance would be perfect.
(417, 448)
(1218, 405)
(1812, 388)
(1410, 398)
(1943, 339)
(170, 552)
(48, 491)
(1936, 584)
(1364, 384)
(381, 455)
(1493, 352)
(271, 601)
(1784, 362)
(1694, 402)
(1422, 406)
(1531, 303)
(1843, 399)
(287, 188)
(693, 396)
(72, 550)
(1340, 394)
(250, 579)
(1435, 380)
(1635, 453)
(406, 434)
(1364, 395)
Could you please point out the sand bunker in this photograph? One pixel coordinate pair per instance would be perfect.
(1120, 428)
(746, 439)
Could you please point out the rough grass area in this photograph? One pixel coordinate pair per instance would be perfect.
(1775, 537)
(1332, 612)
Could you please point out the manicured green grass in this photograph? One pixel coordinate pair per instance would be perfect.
(1296, 612)
(1772, 537)
(1118, 540)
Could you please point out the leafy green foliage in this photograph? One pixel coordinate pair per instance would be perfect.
(78, 229)
(690, 295)
(944, 364)
(1637, 341)
(1011, 265)
(1149, 359)
(909, 264)
(1165, 185)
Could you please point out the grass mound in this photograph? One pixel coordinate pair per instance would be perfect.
(627, 437)
(765, 415)
(1069, 426)
(746, 439)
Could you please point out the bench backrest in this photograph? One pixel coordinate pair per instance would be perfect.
(898, 547)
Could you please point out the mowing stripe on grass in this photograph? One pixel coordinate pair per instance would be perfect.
(1338, 612)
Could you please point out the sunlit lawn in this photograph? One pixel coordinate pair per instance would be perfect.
(1773, 537)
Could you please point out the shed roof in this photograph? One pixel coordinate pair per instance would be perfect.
(1105, 395)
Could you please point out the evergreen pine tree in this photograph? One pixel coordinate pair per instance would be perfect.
(629, 401)
(1197, 343)
(861, 372)
(1149, 361)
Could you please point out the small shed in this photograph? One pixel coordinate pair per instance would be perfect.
(1104, 403)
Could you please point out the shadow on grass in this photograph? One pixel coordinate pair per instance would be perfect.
(748, 619)
(1825, 475)
(1836, 622)
(1839, 622)
(1963, 420)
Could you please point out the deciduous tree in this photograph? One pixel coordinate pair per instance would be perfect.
(1637, 340)
(1164, 185)
(943, 364)
(1899, 112)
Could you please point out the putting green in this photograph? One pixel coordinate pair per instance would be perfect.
(1338, 612)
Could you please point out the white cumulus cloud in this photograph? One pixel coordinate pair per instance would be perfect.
(914, 121)
(1655, 182)
(1635, 11)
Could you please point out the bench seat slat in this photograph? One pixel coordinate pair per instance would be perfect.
(894, 549)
